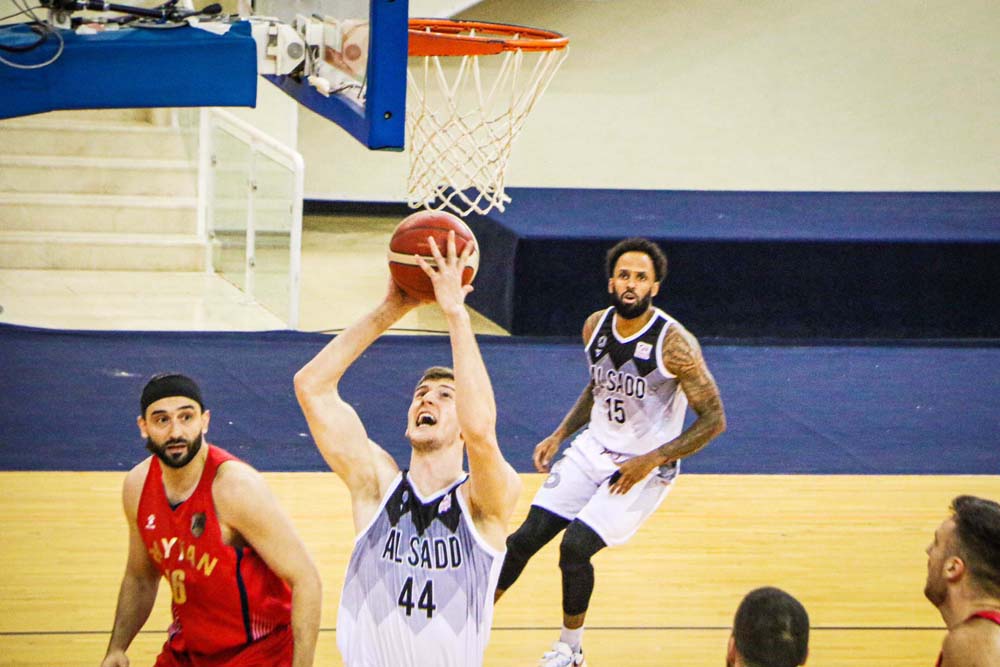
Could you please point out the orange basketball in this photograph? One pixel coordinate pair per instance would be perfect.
(410, 238)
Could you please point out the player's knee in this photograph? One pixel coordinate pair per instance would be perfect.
(578, 544)
(572, 556)
(524, 543)
(536, 531)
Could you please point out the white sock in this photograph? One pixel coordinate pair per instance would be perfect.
(574, 638)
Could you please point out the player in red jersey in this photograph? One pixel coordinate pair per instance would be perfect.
(963, 582)
(245, 591)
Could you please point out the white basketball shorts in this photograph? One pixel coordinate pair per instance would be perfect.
(577, 488)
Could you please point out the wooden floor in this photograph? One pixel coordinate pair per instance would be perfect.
(851, 548)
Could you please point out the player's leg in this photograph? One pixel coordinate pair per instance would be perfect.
(566, 490)
(536, 531)
(606, 520)
(578, 546)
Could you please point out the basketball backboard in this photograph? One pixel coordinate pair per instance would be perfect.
(360, 51)
(389, 79)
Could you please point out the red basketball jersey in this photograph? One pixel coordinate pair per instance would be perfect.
(988, 615)
(223, 597)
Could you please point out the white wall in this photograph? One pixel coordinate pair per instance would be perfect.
(276, 114)
(761, 95)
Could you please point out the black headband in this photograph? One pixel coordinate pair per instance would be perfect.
(169, 384)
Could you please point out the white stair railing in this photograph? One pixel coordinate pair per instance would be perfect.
(250, 191)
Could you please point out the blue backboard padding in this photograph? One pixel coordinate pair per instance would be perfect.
(131, 67)
(879, 265)
(69, 399)
(585, 214)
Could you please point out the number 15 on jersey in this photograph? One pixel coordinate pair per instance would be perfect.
(616, 409)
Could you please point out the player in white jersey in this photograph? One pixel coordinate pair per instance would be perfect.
(430, 540)
(645, 368)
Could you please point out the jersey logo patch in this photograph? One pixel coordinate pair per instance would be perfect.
(642, 350)
(552, 480)
(198, 524)
(445, 504)
(151, 522)
(602, 340)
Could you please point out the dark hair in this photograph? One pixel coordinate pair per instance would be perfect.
(437, 373)
(771, 629)
(636, 244)
(977, 525)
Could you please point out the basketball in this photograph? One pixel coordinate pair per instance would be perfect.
(410, 238)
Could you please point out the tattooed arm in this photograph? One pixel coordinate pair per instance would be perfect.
(682, 357)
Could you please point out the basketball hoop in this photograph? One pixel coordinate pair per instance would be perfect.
(461, 119)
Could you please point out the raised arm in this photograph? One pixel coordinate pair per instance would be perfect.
(682, 357)
(336, 428)
(139, 585)
(493, 484)
(245, 503)
(577, 417)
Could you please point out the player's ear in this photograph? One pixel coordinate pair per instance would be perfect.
(655, 290)
(141, 423)
(611, 285)
(206, 417)
(731, 652)
(954, 568)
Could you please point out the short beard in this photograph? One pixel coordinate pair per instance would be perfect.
(161, 451)
(936, 594)
(630, 312)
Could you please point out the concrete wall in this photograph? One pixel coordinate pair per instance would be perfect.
(728, 94)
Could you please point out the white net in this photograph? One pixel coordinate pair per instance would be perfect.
(462, 117)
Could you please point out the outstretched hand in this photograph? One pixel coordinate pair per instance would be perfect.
(446, 274)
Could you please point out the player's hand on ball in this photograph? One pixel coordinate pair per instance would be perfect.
(399, 299)
(545, 451)
(446, 275)
(632, 471)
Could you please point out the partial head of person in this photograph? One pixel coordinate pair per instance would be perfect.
(636, 267)
(173, 418)
(771, 629)
(432, 419)
(965, 553)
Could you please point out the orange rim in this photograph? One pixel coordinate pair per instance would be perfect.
(446, 37)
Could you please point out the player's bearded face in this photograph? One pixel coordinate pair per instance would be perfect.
(635, 306)
(171, 453)
(936, 587)
(632, 284)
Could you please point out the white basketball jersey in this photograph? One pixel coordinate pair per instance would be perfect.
(419, 586)
(638, 404)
